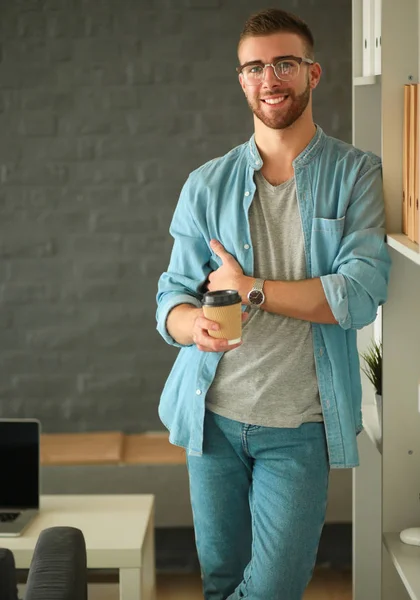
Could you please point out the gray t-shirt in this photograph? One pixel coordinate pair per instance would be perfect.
(270, 380)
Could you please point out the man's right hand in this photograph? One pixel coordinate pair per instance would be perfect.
(188, 325)
(204, 341)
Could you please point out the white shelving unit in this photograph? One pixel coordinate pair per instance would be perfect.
(367, 80)
(406, 560)
(386, 485)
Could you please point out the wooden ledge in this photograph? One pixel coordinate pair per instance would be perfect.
(151, 449)
(82, 448)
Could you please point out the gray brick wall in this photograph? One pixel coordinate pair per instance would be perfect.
(105, 107)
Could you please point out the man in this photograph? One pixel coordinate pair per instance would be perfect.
(297, 218)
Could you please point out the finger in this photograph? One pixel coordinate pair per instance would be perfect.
(218, 249)
(245, 316)
(206, 324)
(217, 346)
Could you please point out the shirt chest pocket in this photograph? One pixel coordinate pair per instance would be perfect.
(326, 238)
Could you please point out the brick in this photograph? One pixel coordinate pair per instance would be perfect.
(74, 339)
(9, 76)
(32, 24)
(104, 196)
(118, 384)
(140, 72)
(36, 76)
(104, 270)
(10, 149)
(129, 313)
(54, 5)
(58, 149)
(6, 319)
(44, 386)
(121, 222)
(97, 50)
(100, 24)
(37, 123)
(46, 100)
(86, 360)
(117, 147)
(123, 97)
(90, 291)
(27, 292)
(173, 72)
(29, 246)
(31, 51)
(60, 50)
(148, 172)
(202, 4)
(93, 123)
(39, 271)
(66, 23)
(104, 245)
(29, 5)
(27, 362)
(50, 316)
(102, 172)
(32, 173)
(134, 245)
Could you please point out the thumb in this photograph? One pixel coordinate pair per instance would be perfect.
(219, 250)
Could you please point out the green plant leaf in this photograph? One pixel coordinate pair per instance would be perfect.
(373, 365)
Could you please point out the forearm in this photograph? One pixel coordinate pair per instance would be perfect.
(180, 323)
(304, 299)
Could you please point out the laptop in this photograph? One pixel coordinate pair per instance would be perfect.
(19, 474)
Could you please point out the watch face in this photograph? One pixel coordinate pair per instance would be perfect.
(256, 297)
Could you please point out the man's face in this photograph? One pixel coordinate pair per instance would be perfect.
(278, 104)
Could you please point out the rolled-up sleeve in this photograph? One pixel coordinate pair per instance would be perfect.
(189, 263)
(359, 279)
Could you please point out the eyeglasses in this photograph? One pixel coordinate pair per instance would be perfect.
(286, 69)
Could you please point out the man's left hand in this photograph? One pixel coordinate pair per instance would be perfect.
(229, 276)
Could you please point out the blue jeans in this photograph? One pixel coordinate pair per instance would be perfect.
(259, 497)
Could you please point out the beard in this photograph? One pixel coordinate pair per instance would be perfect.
(283, 119)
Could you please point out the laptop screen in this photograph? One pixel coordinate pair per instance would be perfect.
(19, 464)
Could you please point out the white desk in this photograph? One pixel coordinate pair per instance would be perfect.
(119, 534)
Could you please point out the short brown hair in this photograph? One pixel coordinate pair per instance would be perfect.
(275, 20)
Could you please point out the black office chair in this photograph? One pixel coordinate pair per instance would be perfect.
(58, 569)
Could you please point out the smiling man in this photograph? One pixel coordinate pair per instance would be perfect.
(294, 220)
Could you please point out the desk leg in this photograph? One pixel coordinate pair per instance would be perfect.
(148, 580)
(130, 584)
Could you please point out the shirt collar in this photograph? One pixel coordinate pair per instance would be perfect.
(307, 154)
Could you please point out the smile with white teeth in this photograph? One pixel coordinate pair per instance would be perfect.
(275, 100)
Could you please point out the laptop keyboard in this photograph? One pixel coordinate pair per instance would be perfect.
(8, 517)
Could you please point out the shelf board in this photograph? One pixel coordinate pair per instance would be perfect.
(401, 243)
(371, 425)
(367, 80)
(406, 559)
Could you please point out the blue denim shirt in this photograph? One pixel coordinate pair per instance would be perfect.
(339, 191)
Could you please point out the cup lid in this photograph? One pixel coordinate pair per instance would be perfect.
(221, 298)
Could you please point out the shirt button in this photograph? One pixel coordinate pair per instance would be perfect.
(321, 351)
(246, 193)
(246, 246)
(198, 392)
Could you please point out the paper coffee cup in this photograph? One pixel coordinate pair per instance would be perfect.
(224, 307)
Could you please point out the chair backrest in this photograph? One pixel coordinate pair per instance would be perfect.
(8, 582)
(58, 569)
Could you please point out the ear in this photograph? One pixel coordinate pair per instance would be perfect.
(242, 83)
(315, 72)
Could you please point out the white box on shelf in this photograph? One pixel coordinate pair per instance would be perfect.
(368, 37)
(377, 36)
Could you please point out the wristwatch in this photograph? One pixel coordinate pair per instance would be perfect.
(256, 296)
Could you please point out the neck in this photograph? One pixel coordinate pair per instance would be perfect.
(282, 146)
